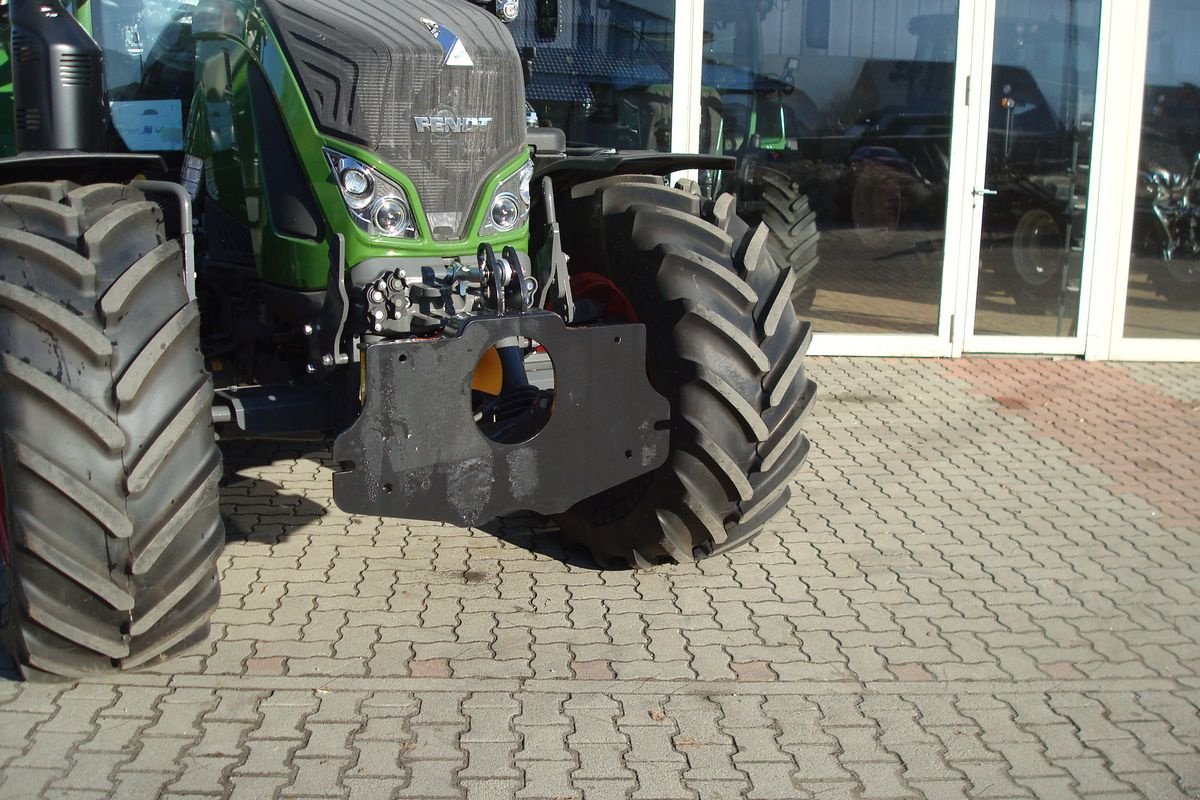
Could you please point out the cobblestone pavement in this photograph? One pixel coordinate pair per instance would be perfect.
(986, 585)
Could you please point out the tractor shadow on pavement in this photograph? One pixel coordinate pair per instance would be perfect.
(257, 509)
(540, 536)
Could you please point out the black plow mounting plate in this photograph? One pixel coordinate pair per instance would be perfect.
(416, 452)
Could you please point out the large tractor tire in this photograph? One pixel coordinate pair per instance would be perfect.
(109, 519)
(792, 236)
(724, 347)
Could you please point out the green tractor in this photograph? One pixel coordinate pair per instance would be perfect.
(326, 220)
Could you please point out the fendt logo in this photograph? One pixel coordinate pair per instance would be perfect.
(449, 123)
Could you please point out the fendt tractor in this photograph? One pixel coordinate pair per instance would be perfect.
(326, 220)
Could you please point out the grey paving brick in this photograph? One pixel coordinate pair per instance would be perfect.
(49, 750)
(652, 744)
(27, 782)
(142, 784)
(201, 775)
(548, 779)
(268, 757)
(316, 777)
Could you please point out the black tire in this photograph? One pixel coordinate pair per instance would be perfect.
(1033, 275)
(724, 347)
(1178, 281)
(107, 456)
(792, 236)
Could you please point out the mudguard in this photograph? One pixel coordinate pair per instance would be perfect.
(416, 452)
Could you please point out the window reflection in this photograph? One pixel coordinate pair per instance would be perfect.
(1164, 269)
(840, 115)
(1040, 124)
(601, 70)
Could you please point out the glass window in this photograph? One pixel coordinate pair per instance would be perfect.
(1164, 268)
(149, 56)
(840, 115)
(1040, 123)
(600, 69)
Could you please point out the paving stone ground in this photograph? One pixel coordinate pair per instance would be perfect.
(986, 585)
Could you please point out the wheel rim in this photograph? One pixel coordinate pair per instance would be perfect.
(1184, 270)
(599, 289)
(1037, 248)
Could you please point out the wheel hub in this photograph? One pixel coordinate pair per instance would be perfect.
(1185, 270)
(1037, 248)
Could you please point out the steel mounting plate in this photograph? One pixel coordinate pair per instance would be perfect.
(416, 452)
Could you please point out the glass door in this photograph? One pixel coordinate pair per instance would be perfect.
(843, 117)
(1158, 313)
(1031, 188)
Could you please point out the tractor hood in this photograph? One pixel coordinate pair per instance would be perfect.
(434, 88)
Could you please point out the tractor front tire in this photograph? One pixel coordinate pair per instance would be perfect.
(792, 236)
(724, 346)
(109, 519)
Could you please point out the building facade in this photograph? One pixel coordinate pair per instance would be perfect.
(984, 176)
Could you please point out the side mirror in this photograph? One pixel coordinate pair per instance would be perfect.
(528, 54)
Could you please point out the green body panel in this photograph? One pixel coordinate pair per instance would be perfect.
(221, 132)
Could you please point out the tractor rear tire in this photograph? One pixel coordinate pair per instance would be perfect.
(792, 236)
(724, 346)
(109, 514)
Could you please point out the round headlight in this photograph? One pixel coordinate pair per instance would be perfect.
(505, 212)
(390, 216)
(357, 186)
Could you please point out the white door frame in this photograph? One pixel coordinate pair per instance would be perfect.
(1104, 180)
(1110, 341)
(958, 221)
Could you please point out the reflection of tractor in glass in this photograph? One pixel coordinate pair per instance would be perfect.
(887, 170)
(602, 70)
(338, 228)
(1037, 150)
(1167, 219)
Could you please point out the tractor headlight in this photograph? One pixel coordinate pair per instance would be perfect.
(357, 186)
(506, 212)
(391, 216)
(376, 204)
(509, 208)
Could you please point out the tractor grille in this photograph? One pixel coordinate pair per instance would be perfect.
(28, 119)
(23, 50)
(371, 67)
(78, 69)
